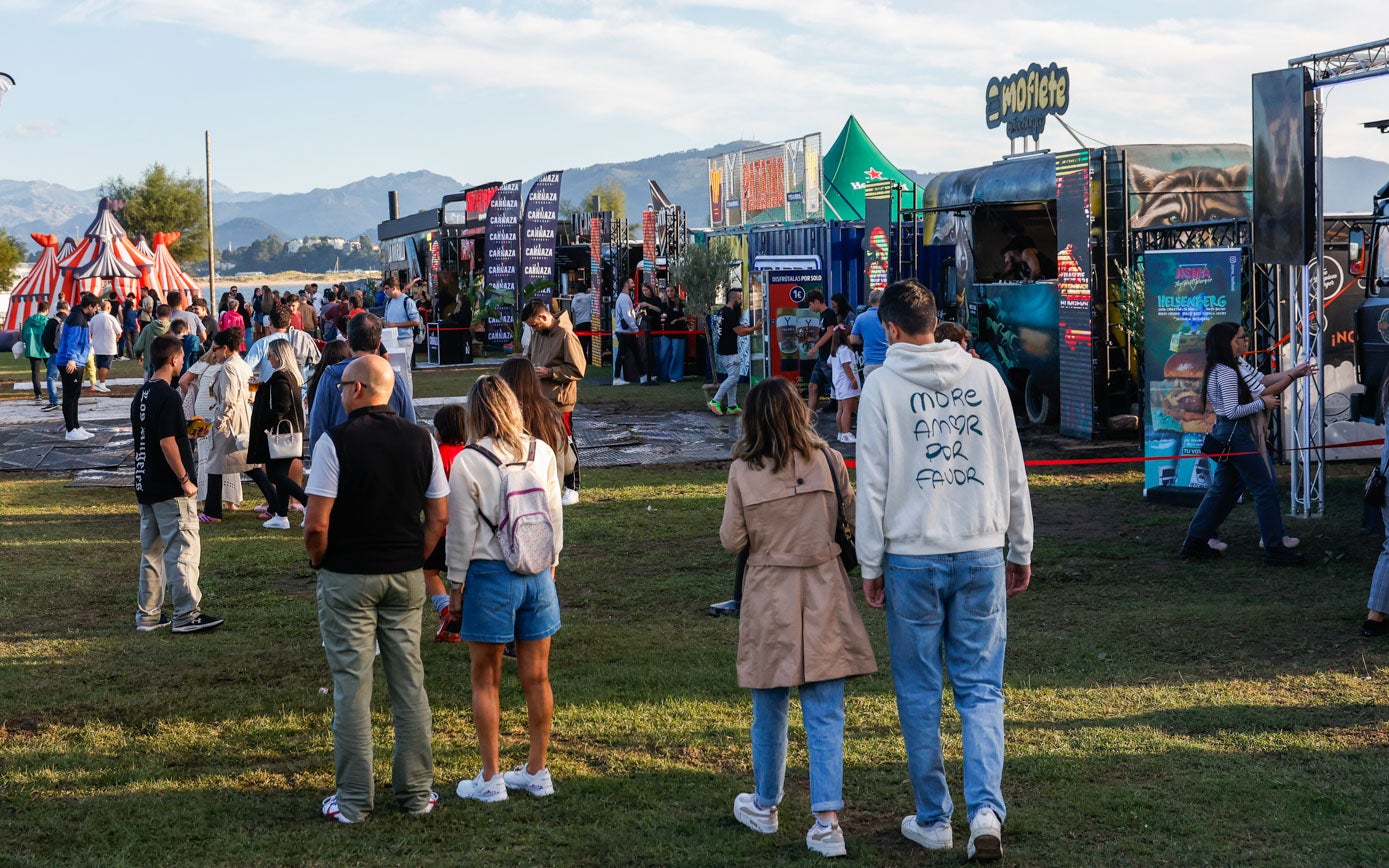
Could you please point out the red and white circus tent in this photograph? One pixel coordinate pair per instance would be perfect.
(67, 289)
(107, 253)
(36, 286)
(165, 274)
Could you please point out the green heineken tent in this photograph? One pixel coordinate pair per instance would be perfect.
(850, 163)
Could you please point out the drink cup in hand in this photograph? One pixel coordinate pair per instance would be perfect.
(1271, 402)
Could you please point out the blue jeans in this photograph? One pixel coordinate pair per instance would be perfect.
(672, 352)
(955, 604)
(1234, 475)
(52, 377)
(1379, 585)
(822, 710)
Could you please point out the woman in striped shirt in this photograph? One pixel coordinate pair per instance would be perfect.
(1238, 393)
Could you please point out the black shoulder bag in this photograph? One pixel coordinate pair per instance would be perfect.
(1374, 488)
(843, 531)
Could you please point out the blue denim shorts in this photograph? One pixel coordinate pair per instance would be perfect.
(501, 606)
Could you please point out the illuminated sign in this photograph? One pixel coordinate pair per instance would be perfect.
(1022, 101)
(775, 183)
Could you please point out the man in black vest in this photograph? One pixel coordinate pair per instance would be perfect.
(373, 478)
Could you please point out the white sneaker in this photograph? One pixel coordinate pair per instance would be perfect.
(985, 836)
(101, 387)
(936, 836)
(745, 811)
(826, 840)
(538, 784)
(569, 497)
(846, 437)
(617, 381)
(483, 791)
(277, 522)
(77, 434)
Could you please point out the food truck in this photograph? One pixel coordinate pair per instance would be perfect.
(1030, 254)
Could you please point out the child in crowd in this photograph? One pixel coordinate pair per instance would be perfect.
(847, 386)
(953, 331)
(448, 426)
(192, 347)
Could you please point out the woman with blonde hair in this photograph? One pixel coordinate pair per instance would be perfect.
(799, 625)
(279, 409)
(494, 604)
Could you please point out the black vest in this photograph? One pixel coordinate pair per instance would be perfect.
(384, 467)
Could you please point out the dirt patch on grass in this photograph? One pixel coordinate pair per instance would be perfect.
(301, 585)
(19, 727)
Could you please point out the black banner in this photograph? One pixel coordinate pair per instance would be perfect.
(1076, 332)
(503, 247)
(877, 218)
(1283, 176)
(538, 231)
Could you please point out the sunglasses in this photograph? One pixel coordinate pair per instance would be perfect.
(342, 383)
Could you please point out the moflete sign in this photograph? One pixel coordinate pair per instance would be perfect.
(1022, 101)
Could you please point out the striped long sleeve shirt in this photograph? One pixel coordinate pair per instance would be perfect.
(1222, 390)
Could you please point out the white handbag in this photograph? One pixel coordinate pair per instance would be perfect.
(288, 444)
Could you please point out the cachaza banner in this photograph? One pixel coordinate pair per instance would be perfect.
(539, 232)
(877, 219)
(503, 251)
(595, 271)
(1188, 291)
(795, 327)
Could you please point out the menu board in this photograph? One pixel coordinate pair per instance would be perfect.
(1077, 318)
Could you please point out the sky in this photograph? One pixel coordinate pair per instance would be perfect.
(301, 94)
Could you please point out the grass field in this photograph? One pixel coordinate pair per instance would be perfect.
(1157, 713)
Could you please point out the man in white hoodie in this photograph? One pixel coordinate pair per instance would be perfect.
(937, 440)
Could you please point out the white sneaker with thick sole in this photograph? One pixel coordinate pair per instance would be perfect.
(762, 820)
(936, 836)
(538, 784)
(826, 840)
(620, 382)
(331, 811)
(77, 435)
(569, 497)
(483, 791)
(985, 836)
(277, 522)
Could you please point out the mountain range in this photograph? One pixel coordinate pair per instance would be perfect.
(355, 209)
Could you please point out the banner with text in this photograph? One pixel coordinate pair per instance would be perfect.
(538, 232)
(1075, 303)
(776, 183)
(1187, 292)
(503, 252)
(877, 221)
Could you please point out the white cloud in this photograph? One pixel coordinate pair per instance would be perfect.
(36, 130)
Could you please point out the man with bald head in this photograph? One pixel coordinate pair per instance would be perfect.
(378, 502)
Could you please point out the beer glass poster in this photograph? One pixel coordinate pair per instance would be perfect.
(796, 327)
(1187, 292)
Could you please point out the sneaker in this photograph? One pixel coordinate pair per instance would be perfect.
(443, 634)
(331, 810)
(735, 410)
(51, 407)
(1289, 542)
(1217, 544)
(484, 791)
(715, 408)
(569, 497)
(985, 837)
(1283, 556)
(1196, 550)
(1370, 629)
(846, 437)
(207, 519)
(745, 811)
(936, 836)
(617, 381)
(277, 522)
(538, 784)
(826, 840)
(149, 628)
(77, 435)
(433, 800)
(199, 624)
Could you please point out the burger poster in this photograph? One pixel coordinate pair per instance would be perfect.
(1187, 292)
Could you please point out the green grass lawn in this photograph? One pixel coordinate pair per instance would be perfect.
(1157, 713)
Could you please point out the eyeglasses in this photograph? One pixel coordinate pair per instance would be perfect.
(342, 383)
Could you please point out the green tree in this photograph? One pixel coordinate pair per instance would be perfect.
(164, 202)
(702, 270)
(11, 254)
(611, 197)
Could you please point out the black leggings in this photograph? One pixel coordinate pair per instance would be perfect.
(278, 471)
(72, 389)
(212, 506)
(38, 369)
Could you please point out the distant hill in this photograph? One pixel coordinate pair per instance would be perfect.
(345, 211)
(1351, 181)
(241, 231)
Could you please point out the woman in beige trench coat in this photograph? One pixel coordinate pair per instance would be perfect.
(231, 419)
(799, 625)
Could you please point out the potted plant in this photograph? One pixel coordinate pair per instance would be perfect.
(702, 270)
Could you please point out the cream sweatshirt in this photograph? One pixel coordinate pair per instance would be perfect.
(475, 485)
(937, 440)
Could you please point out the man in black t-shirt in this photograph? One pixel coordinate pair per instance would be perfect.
(820, 378)
(730, 330)
(169, 544)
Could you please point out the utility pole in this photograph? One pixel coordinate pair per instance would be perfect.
(211, 246)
